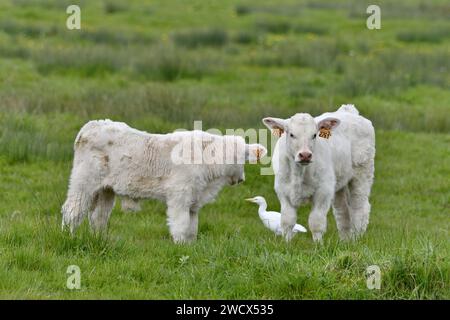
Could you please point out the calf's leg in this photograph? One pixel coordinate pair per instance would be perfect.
(99, 217)
(341, 213)
(130, 205)
(318, 217)
(359, 198)
(288, 218)
(179, 221)
(193, 223)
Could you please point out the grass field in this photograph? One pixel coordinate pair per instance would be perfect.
(160, 65)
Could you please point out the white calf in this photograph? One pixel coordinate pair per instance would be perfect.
(329, 160)
(184, 169)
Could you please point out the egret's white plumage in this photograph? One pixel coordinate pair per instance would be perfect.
(272, 219)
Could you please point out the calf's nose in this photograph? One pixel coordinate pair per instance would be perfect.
(305, 156)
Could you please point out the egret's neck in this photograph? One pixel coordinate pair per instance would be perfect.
(262, 208)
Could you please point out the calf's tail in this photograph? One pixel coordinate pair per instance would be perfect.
(349, 108)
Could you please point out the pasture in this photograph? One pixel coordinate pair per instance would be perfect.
(160, 65)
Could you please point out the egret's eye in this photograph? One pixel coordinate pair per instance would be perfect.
(314, 135)
(291, 135)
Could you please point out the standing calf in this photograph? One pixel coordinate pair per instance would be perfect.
(336, 169)
(184, 169)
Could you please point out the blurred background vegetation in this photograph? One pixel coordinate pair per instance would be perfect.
(160, 65)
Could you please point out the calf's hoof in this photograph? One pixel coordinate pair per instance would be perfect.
(288, 234)
(182, 239)
(317, 237)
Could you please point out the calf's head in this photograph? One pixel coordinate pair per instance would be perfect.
(243, 153)
(301, 131)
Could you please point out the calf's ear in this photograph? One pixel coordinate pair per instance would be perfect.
(254, 152)
(275, 123)
(328, 123)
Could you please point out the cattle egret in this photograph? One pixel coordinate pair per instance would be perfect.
(272, 219)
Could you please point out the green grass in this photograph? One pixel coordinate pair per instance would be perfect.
(196, 38)
(160, 65)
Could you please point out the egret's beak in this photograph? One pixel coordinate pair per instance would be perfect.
(250, 199)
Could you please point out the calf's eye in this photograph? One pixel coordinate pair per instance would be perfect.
(291, 135)
(314, 135)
